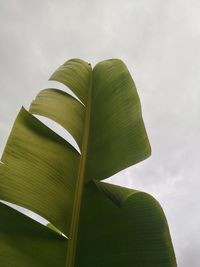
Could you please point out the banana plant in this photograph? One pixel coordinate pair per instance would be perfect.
(91, 223)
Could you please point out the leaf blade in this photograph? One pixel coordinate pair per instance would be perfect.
(117, 130)
(25, 242)
(135, 235)
(33, 176)
(62, 108)
(76, 74)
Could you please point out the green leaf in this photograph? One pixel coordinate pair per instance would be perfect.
(117, 130)
(115, 127)
(44, 173)
(116, 193)
(39, 171)
(76, 74)
(25, 242)
(62, 108)
(135, 235)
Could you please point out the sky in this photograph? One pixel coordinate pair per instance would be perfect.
(159, 41)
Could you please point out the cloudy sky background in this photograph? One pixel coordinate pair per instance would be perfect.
(159, 41)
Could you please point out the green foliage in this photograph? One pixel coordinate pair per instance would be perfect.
(103, 225)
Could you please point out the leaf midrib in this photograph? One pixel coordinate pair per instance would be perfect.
(72, 243)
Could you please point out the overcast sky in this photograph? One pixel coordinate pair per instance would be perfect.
(160, 43)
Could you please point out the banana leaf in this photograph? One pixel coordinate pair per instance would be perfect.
(92, 223)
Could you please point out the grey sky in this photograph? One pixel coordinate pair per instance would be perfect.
(159, 41)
